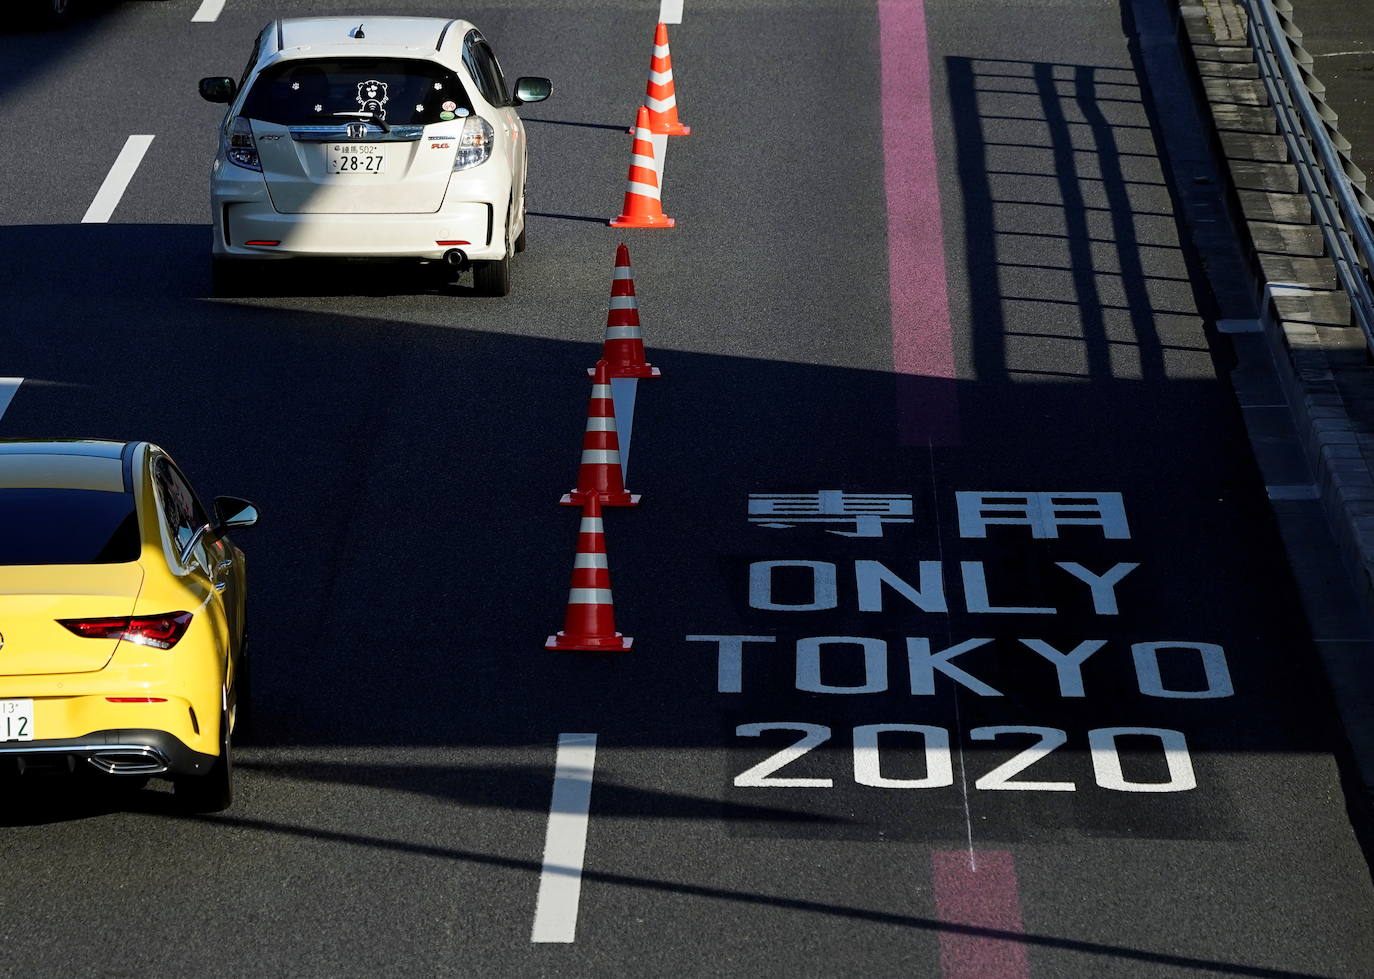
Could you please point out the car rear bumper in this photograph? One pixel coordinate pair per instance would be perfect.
(472, 227)
(120, 752)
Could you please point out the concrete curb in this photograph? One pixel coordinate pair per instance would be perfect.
(1322, 361)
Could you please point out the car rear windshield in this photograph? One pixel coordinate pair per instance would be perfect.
(67, 526)
(310, 91)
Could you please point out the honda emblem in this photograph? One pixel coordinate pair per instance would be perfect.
(357, 130)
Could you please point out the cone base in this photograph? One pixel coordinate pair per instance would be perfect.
(630, 221)
(642, 370)
(605, 499)
(591, 644)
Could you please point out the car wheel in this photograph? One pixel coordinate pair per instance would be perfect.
(493, 278)
(213, 791)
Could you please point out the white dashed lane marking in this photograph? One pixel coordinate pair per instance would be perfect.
(565, 844)
(208, 12)
(8, 387)
(117, 180)
(670, 12)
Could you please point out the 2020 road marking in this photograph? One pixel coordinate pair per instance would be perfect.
(565, 841)
(1108, 772)
(117, 180)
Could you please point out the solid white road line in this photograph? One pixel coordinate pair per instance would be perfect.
(623, 391)
(8, 386)
(208, 12)
(670, 12)
(117, 180)
(565, 843)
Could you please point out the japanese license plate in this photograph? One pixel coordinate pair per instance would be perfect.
(16, 720)
(355, 158)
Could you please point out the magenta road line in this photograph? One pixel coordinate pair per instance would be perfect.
(978, 889)
(922, 346)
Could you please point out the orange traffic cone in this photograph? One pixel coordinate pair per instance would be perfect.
(643, 203)
(599, 474)
(589, 622)
(623, 350)
(659, 95)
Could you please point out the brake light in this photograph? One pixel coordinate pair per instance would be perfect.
(240, 148)
(264, 242)
(474, 143)
(159, 631)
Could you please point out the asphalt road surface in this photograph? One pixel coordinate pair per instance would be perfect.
(1093, 740)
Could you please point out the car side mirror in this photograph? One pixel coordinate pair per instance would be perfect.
(532, 89)
(218, 89)
(231, 512)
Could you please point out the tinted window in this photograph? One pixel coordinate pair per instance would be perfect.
(481, 64)
(64, 526)
(306, 92)
(179, 504)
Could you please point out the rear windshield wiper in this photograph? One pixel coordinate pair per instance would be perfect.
(365, 116)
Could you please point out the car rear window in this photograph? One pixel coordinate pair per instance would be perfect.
(309, 91)
(67, 526)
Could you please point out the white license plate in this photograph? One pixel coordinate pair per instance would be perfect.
(16, 720)
(356, 158)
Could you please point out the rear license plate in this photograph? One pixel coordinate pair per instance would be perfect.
(16, 720)
(356, 158)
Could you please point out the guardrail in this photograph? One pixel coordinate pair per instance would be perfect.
(1334, 185)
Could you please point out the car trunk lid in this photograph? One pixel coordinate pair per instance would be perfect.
(34, 598)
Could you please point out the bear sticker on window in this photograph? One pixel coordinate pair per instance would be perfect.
(372, 97)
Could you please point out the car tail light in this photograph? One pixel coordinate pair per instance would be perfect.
(474, 143)
(240, 147)
(158, 631)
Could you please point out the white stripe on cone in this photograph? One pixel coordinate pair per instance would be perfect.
(601, 457)
(622, 333)
(624, 302)
(643, 190)
(660, 50)
(661, 77)
(595, 424)
(623, 272)
(588, 560)
(591, 525)
(589, 596)
(660, 105)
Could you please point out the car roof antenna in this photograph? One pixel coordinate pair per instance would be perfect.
(357, 32)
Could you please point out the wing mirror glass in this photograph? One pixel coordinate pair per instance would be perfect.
(218, 89)
(532, 89)
(233, 512)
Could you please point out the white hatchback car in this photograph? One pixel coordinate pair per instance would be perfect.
(371, 137)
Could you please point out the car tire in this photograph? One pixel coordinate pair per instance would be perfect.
(493, 278)
(213, 791)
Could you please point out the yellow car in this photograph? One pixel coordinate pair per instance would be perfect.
(122, 644)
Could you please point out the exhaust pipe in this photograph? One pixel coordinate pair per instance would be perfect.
(129, 761)
(456, 258)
